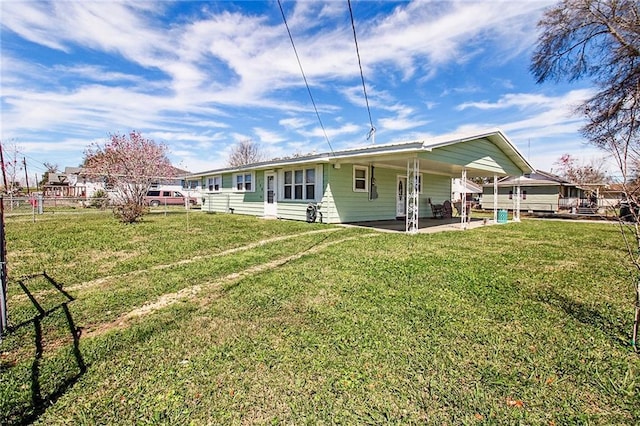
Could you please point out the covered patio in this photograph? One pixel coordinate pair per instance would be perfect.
(487, 155)
(425, 226)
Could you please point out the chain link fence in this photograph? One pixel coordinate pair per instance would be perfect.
(39, 204)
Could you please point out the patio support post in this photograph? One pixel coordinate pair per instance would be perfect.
(495, 198)
(516, 208)
(463, 201)
(413, 182)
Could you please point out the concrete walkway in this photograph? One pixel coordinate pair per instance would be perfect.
(425, 225)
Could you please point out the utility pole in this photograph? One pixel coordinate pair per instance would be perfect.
(4, 170)
(26, 176)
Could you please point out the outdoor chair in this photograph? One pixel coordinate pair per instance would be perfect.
(447, 210)
(436, 209)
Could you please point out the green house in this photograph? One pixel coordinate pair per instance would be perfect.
(371, 183)
(536, 192)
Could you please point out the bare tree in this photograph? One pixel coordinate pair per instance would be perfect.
(50, 169)
(600, 40)
(12, 166)
(575, 171)
(131, 163)
(245, 152)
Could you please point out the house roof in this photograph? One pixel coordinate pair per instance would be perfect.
(470, 186)
(391, 153)
(538, 178)
(73, 170)
(58, 179)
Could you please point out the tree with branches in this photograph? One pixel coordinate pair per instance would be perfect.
(51, 168)
(245, 152)
(12, 167)
(581, 173)
(130, 164)
(600, 40)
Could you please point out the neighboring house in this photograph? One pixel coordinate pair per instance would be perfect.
(74, 183)
(369, 183)
(71, 183)
(539, 192)
(471, 191)
(181, 182)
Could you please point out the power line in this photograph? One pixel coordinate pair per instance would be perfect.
(372, 130)
(304, 77)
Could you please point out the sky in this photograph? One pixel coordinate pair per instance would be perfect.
(202, 76)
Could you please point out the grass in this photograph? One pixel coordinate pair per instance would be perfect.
(264, 322)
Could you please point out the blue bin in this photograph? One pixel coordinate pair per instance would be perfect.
(502, 216)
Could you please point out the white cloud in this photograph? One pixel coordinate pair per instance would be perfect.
(405, 119)
(295, 123)
(268, 136)
(211, 78)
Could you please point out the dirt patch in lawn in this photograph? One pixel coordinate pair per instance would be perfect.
(207, 291)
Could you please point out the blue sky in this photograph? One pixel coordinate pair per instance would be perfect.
(201, 76)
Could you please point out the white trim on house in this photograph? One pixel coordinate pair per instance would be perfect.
(214, 183)
(237, 182)
(291, 191)
(360, 181)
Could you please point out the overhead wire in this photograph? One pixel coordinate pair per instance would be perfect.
(304, 76)
(364, 87)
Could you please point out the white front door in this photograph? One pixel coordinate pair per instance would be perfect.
(401, 196)
(270, 195)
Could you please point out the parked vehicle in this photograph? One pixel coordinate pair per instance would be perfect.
(155, 198)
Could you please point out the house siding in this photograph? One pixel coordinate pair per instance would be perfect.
(538, 198)
(341, 204)
(481, 154)
(438, 188)
(228, 199)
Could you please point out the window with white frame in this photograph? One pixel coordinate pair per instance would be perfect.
(243, 182)
(189, 184)
(299, 184)
(360, 179)
(214, 183)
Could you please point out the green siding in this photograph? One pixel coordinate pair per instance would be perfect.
(341, 204)
(538, 198)
(241, 202)
(480, 154)
(436, 187)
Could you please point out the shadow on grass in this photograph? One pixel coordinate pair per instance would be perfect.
(39, 402)
(587, 315)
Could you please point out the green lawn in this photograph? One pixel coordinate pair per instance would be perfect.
(228, 319)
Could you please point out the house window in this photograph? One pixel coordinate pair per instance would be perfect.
(511, 195)
(189, 184)
(244, 182)
(524, 195)
(360, 179)
(214, 183)
(299, 184)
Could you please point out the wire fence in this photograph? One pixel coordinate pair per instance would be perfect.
(38, 204)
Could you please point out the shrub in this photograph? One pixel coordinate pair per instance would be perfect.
(129, 212)
(99, 199)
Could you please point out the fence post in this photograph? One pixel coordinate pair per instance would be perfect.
(3, 273)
